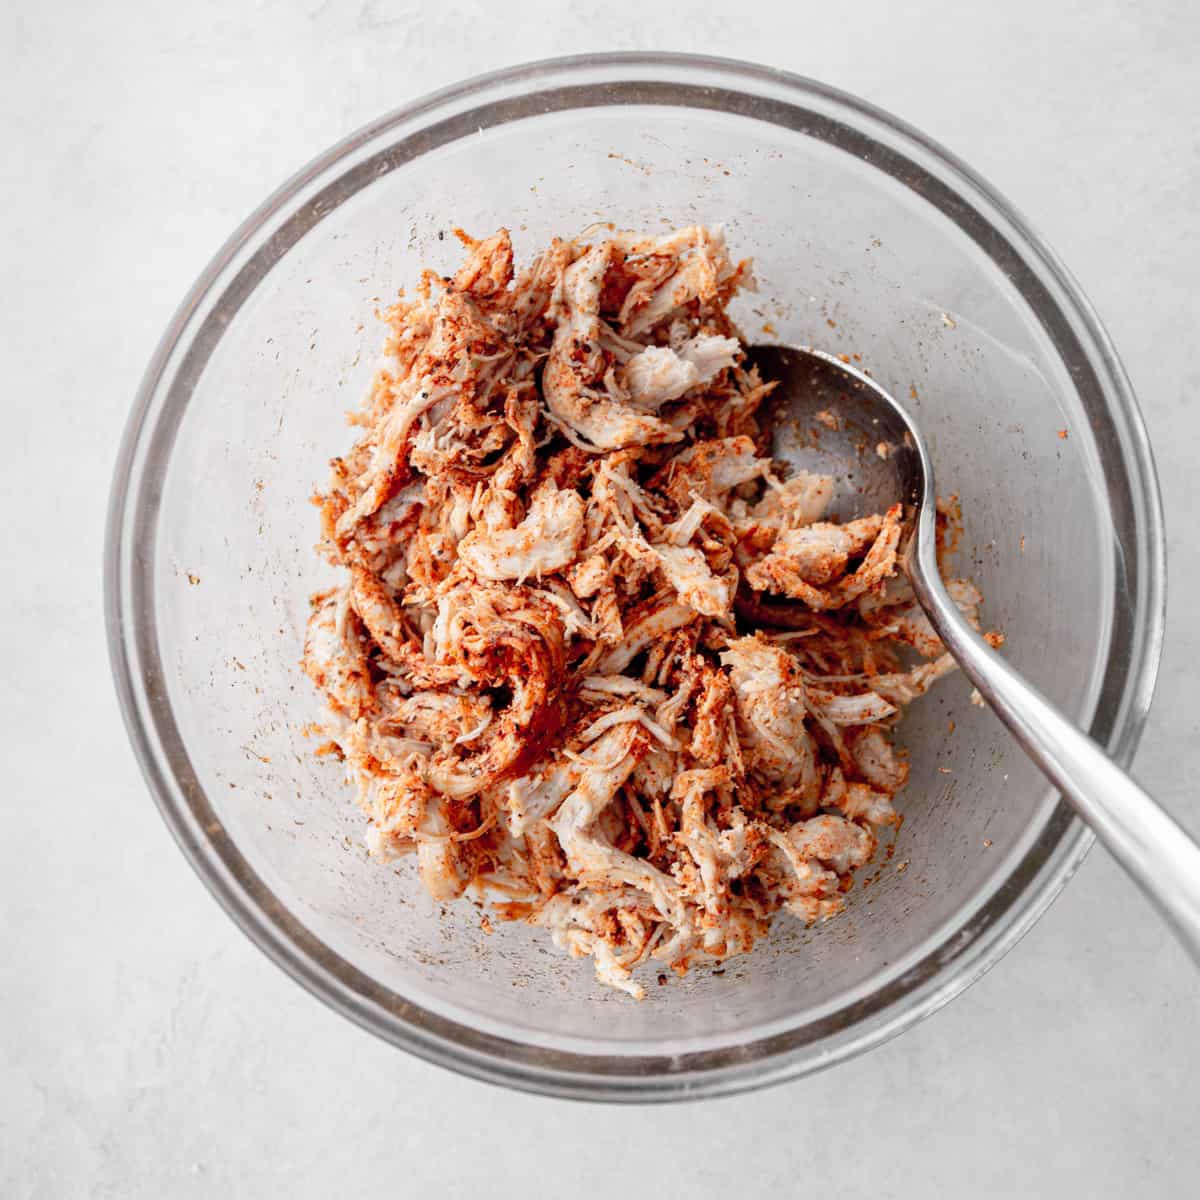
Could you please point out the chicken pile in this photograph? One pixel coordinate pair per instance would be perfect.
(592, 657)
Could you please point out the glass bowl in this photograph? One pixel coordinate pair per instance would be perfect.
(867, 239)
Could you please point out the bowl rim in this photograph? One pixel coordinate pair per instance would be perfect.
(964, 956)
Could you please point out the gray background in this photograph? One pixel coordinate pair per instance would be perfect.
(146, 1048)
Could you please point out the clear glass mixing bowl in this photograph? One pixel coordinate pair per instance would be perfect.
(867, 239)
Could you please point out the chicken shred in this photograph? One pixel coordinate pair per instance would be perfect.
(593, 658)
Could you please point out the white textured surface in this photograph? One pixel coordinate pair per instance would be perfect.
(146, 1048)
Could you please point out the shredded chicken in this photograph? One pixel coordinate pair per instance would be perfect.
(595, 658)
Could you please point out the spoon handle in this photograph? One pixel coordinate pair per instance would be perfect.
(1152, 847)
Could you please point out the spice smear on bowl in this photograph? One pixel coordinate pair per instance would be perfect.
(593, 658)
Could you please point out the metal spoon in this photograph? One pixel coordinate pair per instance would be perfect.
(853, 415)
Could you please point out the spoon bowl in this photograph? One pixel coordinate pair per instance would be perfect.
(831, 418)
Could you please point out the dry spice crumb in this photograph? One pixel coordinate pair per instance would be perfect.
(485, 924)
(831, 322)
(1062, 433)
(949, 321)
(193, 579)
(769, 329)
(987, 842)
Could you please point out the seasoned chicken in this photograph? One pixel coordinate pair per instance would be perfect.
(595, 658)
(335, 655)
(547, 540)
(688, 572)
(710, 469)
(658, 374)
(575, 376)
(773, 710)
